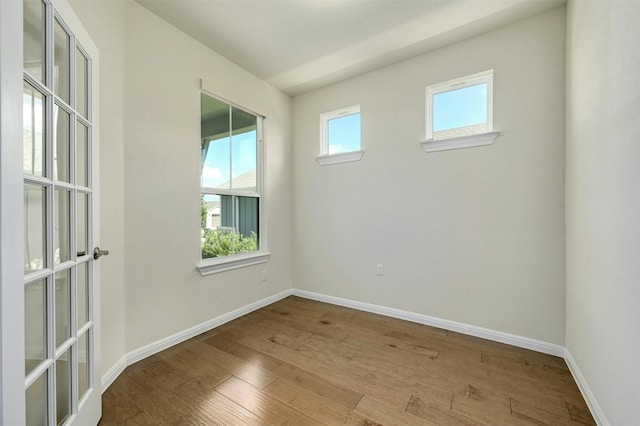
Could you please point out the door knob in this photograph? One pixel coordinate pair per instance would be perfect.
(97, 253)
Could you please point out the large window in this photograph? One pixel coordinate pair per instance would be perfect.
(230, 180)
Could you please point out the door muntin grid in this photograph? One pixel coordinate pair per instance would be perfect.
(57, 136)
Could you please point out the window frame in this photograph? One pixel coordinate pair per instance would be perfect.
(325, 158)
(214, 265)
(474, 139)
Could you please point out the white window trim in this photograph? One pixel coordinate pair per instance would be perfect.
(469, 141)
(466, 141)
(215, 265)
(227, 263)
(342, 157)
(233, 98)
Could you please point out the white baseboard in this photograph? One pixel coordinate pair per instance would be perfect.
(485, 333)
(497, 336)
(162, 344)
(110, 376)
(589, 397)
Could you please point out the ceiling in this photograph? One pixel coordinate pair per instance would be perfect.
(300, 45)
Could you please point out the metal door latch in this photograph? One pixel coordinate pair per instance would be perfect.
(97, 253)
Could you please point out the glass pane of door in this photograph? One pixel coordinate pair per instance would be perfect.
(35, 237)
(61, 75)
(62, 229)
(82, 154)
(62, 298)
(82, 203)
(83, 365)
(33, 40)
(36, 401)
(33, 116)
(35, 324)
(82, 68)
(82, 294)
(62, 142)
(63, 387)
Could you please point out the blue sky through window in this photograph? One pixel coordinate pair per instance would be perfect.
(216, 170)
(344, 134)
(460, 108)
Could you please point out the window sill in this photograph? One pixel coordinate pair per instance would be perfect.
(227, 263)
(459, 142)
(343, 157)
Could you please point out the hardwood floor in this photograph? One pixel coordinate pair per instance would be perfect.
(302, 362)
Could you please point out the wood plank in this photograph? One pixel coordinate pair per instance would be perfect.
(421, 330)
(304, 322)
(251, 373)
(120, 409)
(337, 364)
(580, 413)
(437, 414)
(539, 416)
(363, 383)
(207, 399)
(161, 373)
(519, 364)
(163, 406)
(381, 412)
(482, 403)
(448, 352)
(356, 419)
(269, 409)
(526, 377)
(554, 406)
(309, 402)
(194, 367)
(339, 394)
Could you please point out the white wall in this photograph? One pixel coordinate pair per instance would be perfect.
(150, 117)
(473, 235)
(603, 202)
(105, 23)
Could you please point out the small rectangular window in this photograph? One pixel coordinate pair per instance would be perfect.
(460, 107)
(340, 136)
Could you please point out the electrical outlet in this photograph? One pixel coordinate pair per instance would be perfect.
(264, 275)
(380, 269)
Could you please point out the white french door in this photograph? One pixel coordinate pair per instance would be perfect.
(59, 147)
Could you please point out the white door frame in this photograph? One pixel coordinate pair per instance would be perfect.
(12, 350)
(12, 396)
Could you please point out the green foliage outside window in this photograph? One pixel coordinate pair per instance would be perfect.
(217, 243)
(203, 212)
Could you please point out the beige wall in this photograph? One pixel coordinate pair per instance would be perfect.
(165, 294)
(473, 235)
(105, 23)
(603, 202)
(150, 77)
